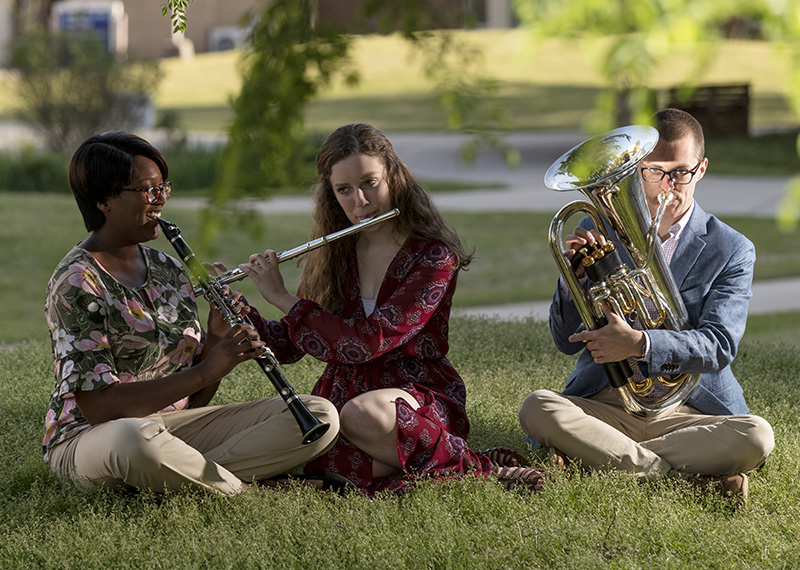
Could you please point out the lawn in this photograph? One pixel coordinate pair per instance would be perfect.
(512, 258)
(549, 85)
(580, 521)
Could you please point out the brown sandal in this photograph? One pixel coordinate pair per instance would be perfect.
(505, 457)
(520, 477)
(558, 458)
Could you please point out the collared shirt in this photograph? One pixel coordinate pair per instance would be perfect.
(669, 245)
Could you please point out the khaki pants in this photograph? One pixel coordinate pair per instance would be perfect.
(601, 434)
(213, 448)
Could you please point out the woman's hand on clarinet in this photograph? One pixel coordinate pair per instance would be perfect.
(263, 270)
(217, 325)
(240, 343)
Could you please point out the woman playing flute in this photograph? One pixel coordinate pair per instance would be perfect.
(375, 307)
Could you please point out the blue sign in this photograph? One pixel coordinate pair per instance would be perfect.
(84, 21)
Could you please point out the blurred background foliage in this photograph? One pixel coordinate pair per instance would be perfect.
(574, 64)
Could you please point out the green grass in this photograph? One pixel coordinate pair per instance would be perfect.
(551, 85)
(579, 521)
(512, 258)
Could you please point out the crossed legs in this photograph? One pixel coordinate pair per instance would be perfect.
(214, 448)
(599, 433)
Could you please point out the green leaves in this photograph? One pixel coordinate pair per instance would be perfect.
(71, 87)
(177, 8)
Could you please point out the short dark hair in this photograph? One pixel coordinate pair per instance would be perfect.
(675, 124)
(102, 166)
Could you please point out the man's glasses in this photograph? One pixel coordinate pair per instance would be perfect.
(678, 176)
(154, 193)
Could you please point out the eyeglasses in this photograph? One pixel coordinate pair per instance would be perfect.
(154, 193)
(678, 176)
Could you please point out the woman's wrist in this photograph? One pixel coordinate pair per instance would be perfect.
(287, 302)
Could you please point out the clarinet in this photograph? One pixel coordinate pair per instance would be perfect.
(310, 426)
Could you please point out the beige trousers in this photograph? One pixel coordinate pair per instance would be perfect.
(213, 448)
(602, 435)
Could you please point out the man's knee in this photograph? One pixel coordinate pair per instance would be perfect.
(536, 409)
(759, 441)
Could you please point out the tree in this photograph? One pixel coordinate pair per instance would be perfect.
(638, 35)
(644, 33)
(455, 66)
(285, 64)
(289, 58)
(71, 88)
(781, 24)
(176, 10)
(30, 14)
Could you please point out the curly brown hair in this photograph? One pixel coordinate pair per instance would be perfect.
(324, 268)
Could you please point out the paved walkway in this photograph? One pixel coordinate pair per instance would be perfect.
(435, 156)
(769, 297)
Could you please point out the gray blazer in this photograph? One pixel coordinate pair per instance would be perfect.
(713, 269)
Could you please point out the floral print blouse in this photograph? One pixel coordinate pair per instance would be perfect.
(105, 332)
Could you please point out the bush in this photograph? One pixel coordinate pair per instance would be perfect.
(31, 170)
(192, 169)
(71, 88)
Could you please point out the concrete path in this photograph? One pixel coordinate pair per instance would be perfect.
(436, 156)
(769, 297)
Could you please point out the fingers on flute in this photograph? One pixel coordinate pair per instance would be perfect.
(258, 259)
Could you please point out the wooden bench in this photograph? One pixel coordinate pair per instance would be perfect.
(720, 109)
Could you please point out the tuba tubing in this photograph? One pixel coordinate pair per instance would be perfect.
(604, 169)
(618, 373)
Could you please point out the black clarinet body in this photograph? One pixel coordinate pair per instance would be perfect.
(311, 427)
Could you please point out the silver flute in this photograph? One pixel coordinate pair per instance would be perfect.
(237, 274)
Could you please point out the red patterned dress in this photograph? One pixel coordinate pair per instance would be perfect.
(402, 344)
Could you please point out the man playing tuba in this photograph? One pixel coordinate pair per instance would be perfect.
(712, 438)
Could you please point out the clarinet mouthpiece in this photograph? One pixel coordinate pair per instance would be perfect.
(171, 231)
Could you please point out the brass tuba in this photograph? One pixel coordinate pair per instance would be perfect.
(604, 169)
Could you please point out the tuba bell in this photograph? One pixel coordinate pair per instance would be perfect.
(604, 169)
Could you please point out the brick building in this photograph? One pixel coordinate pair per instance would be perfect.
(219, 24)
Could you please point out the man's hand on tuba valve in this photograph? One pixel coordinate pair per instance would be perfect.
(614, 342)
(578, 241)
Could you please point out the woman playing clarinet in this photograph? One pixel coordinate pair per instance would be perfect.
(134, 368)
